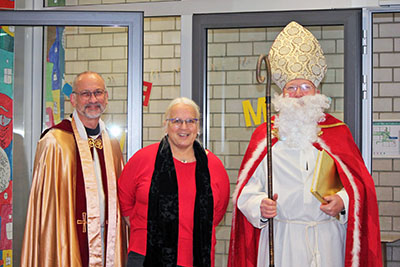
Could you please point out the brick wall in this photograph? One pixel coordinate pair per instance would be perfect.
(162, 69)
(104, 50)
(386, 105)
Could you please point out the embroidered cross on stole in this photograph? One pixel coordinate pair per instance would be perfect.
(83, 222)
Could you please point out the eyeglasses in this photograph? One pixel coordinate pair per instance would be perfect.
(305, 87)
(88, 94)
(177, 122)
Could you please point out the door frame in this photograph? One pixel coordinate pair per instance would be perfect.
(351, 19)
(28, 91)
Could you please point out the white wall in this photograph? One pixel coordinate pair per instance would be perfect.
(187, 7)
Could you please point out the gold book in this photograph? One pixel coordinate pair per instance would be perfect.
(326, 179)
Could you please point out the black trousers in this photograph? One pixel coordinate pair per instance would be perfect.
(136, 260)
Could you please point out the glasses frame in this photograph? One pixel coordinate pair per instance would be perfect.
(178, 122)
(86, 94)
(294, 88)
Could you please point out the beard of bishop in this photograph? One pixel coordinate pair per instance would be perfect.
(298, 118)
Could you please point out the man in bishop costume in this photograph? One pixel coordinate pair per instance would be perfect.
(306, 232)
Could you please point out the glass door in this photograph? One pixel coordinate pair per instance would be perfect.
(41, 52)
(383, 131)
(225, 52)
(236, 102)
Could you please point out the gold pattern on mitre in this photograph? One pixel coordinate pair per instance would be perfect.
(296, 54)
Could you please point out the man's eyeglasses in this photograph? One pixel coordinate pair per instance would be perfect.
(88, 94)
(305, 87)
(177, 122)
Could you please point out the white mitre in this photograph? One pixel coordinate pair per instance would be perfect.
(296, 54)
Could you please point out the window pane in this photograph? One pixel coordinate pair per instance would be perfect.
(7, 142)
(235, 98)
(72, 50)
(386, 122)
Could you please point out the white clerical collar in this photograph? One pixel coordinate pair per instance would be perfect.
(81, 127)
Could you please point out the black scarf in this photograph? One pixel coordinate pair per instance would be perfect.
(163, 211)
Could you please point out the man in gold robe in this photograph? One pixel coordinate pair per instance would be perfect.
(73, 216)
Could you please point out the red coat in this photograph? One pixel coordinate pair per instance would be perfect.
(133, 192)
(363, 247)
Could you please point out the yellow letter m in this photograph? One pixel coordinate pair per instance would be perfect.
(248, 110)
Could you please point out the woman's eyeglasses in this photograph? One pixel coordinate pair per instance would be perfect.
(177, 122)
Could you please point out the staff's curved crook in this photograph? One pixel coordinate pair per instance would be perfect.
(260, 79)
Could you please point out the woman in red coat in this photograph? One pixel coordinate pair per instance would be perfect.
(173, 194)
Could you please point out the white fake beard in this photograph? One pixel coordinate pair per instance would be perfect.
(298, 118)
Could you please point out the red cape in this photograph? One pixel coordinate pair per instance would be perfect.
(363, 247)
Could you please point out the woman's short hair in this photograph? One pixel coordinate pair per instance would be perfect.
(182, 100)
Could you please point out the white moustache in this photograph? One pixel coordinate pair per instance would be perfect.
(97, 105)
(298, 118)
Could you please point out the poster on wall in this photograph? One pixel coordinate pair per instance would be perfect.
(7, 4)
(52, 3)
(6, 142)
(54, 95)
(385, 141)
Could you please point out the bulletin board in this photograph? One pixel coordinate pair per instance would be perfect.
(385, 139)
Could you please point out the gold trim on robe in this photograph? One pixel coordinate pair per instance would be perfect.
(92, 200)
(331, 125)
(50, 238)
(112, 200)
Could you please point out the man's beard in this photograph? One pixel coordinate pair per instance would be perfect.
(88, 115)
(298, 118)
